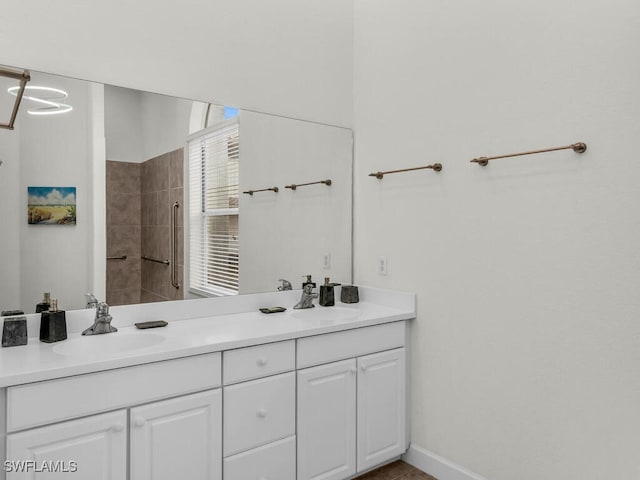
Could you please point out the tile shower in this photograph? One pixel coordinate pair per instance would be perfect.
(139, 204)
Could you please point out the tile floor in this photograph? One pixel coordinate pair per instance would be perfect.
(396, 471)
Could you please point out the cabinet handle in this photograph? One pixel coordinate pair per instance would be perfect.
(353, 370)
(262, 362)
(364, 368)
(262, 413)
(118, 427)
(139, 422)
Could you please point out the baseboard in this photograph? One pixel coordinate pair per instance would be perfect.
(435, 465)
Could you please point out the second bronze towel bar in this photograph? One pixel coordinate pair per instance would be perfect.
(293, 186)
(579, 147)
(272, 189)
(436, 167)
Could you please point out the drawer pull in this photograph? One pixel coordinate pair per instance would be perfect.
(353, 370)
(262, 413)
(364, 368)
(118, 427)
(262, 362)
(139, 422)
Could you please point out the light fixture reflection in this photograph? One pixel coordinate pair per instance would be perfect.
(47, 98)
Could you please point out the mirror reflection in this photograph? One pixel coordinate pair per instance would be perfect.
(159, 203)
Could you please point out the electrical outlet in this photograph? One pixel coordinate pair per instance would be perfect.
(326, 261)
(382, 265)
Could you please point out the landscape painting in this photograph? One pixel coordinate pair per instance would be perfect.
(52, 205)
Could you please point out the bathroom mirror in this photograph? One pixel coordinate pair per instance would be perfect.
(126, 155)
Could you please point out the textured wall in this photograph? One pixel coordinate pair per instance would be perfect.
(139, 202)
(124, 204)
(526, 348)
(161, 186)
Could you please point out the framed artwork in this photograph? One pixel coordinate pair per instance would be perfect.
(51, 205)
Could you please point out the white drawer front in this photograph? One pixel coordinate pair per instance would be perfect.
(259, 361)
(258, 412)
(275, 460)
(331, 347)
(51, 401)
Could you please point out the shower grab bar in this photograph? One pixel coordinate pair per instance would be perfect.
(121, 257)
(174, 245)
(149, 259)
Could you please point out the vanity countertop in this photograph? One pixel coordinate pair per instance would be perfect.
(232, 323)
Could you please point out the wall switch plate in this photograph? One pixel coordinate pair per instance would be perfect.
(326, 261)
(382, 265)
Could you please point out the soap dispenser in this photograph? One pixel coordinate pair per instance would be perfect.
(327, 297)
(43, 306)
(53, 324)
(309, 282)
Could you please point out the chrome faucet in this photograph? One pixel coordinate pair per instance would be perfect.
(286, 285)
(92, 301)
(307, 298)
(102, 323)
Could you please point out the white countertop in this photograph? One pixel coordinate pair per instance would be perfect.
(191, 333)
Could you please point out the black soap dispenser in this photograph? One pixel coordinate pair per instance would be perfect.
(327, 297)
(53, 324)
(309, 282)
(44, 305)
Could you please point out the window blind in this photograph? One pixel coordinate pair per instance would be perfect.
(213, 209)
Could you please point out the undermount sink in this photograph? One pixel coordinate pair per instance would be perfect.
(329, 314)
(110, 343)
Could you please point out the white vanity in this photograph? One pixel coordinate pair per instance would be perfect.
(233, 394)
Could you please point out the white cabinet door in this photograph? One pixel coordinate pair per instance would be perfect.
(381, 407)
(327, 421)
(92, 448)
(178, 438)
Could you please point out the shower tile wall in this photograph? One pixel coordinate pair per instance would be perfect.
(161, 185)
(123, 232)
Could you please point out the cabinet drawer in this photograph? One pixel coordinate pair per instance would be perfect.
(275, 460)
(51, 401)
(259, 361)
(331, 347)
(258, 412)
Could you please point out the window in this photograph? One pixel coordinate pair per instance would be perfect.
(213, 209)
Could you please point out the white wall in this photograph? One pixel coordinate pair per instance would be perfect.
(142, 125)
(123, 124)
(283, 56)
(10, 217)
(286, 234)
(165, 124)
(48, 253)
(526, 348)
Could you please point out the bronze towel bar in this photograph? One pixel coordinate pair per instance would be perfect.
(579, 147)
(436, 167)
(293, 186)
(272, 189)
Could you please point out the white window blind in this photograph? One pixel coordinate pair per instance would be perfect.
(213, 209)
